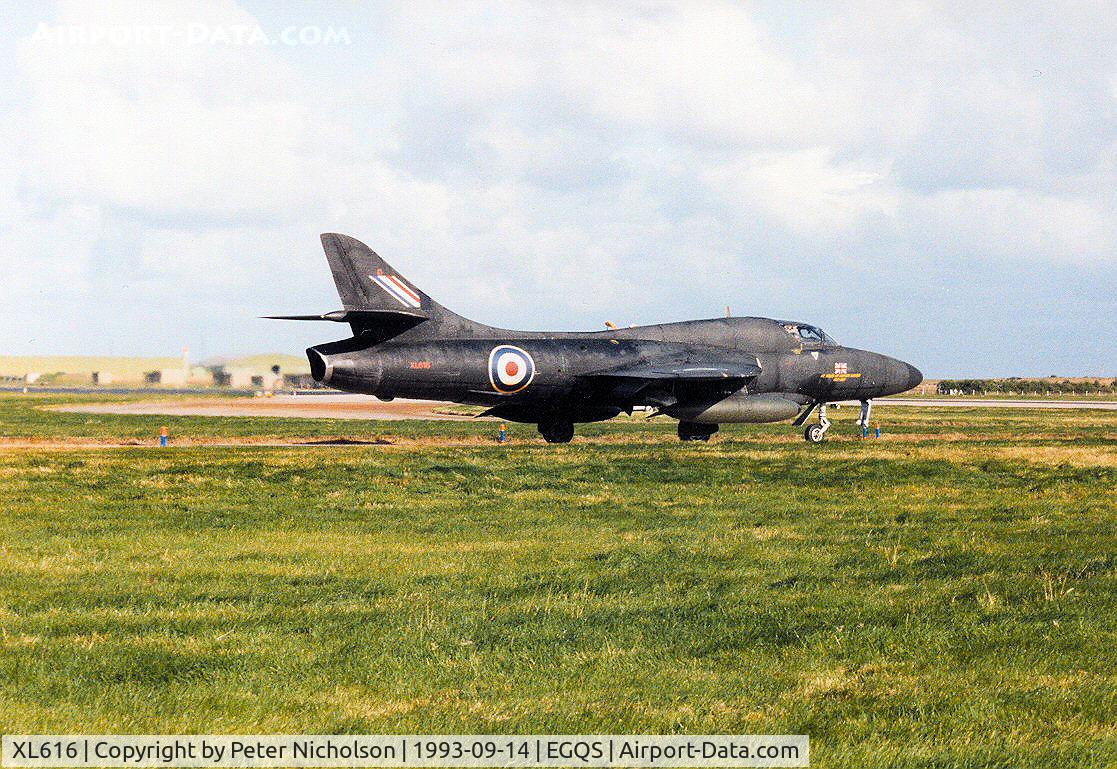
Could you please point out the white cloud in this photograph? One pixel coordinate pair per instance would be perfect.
(49, 253)
(1016, 224)
(166, 126)
(807, 190)
(537, 163)
(706, 71)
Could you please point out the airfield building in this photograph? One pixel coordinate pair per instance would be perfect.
(168, 377)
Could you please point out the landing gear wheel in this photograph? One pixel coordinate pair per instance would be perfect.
(814, 434)
(692, 431)
(817, 433)
(557, 431)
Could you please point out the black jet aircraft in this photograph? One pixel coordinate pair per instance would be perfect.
(702, 372)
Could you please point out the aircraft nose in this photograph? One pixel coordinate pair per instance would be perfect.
(898, 376)
(915, 377)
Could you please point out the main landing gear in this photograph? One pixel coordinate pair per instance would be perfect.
(557, 431)
(693, 431)
(816, 433)
(866, 411)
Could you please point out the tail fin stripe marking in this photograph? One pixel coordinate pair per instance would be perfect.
(393, 290)
(404, 287)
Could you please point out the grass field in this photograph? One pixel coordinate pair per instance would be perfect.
(945, 596)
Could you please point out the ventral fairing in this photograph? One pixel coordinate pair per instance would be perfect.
(701, 372)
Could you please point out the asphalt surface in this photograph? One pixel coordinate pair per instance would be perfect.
(332, 406)
(995, 404)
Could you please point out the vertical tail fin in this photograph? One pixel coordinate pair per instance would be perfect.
(366, 282)
(381, 304)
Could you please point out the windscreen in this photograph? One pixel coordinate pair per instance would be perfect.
(813, 335)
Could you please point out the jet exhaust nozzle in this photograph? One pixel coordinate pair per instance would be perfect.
(320, 367)
(340, 366)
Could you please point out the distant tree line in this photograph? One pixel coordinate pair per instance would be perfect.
(1019, 386)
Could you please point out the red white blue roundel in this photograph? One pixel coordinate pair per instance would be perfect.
(510, 369)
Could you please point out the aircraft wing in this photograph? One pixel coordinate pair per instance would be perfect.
(682, 372)
(666, 383)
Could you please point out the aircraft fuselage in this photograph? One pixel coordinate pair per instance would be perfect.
(460, 369)
(703, 372)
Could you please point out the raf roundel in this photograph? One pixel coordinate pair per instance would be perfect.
(511, 369)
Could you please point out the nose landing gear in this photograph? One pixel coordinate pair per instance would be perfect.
(816, 433)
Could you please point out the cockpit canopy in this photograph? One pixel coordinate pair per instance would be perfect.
(809, 336)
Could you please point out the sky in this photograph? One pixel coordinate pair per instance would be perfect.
(933, 181)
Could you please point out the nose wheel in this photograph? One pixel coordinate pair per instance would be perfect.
(816, 433)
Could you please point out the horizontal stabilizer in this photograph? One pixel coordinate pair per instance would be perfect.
(359, 317)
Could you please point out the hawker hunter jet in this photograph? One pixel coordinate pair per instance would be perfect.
(701, 372)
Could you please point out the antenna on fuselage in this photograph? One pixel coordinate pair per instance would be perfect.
(728, 312)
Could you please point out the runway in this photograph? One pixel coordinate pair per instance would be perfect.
(324, 406)
(996, 404)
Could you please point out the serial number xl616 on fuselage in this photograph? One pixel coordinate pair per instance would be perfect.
(701, 372)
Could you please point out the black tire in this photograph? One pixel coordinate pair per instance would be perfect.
(557, 432)
(693, 431)
(814, 434)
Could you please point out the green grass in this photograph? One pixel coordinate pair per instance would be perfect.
(942, 597)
